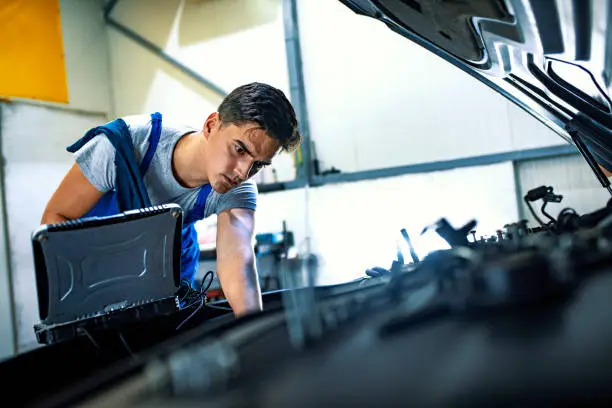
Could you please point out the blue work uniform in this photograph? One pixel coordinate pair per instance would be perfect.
(130, 192)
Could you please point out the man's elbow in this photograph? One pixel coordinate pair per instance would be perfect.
(239, 281)
(251, 304)
(50, 217)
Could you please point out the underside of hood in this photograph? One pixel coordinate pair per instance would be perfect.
(551, 57)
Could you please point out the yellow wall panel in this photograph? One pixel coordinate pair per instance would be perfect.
(31, 50)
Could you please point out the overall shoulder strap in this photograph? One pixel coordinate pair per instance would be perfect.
(115, 131)
(131, 192)
(156, 125)
(197, 212)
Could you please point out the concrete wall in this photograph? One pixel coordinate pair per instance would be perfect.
(34, 139)
(8, 344)
(86, 51)
(355, 226)
(378, 100)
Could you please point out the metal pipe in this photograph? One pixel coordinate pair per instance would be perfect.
(487, 159)
(527, 154)
(6, 247)
(281, 186)
(54, 106)
(297, 88)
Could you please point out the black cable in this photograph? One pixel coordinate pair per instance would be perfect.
(565, 214)
(125, 344)
(533, 213)
(568, 220)
(209, 273)
(543, 209)
(89, 336)
(186, 287)
(567, 210)
(201, 292)
(200, 297)
(192, 314)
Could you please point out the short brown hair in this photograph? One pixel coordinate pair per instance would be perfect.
(268, 107)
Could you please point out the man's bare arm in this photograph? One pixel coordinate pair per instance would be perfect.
(236, 260)
(73, 198)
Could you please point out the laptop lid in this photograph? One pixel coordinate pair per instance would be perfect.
(96, 265)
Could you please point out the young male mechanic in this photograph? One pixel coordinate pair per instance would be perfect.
(143, 160)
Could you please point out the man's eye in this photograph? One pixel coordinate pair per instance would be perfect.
(238, 148)
(256, 168)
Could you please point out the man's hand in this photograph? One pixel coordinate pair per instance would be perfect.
(236, 260)
(73, 198)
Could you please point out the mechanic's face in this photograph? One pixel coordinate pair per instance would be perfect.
(235, 153)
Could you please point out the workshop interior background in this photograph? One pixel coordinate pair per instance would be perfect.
(374, 101)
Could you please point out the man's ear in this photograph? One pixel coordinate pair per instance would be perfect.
(211, 123)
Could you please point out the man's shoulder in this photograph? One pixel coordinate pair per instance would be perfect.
(140, 125)
(245, 189)
(241, 196)
(144, 120)
(246, 186)
(137, 120)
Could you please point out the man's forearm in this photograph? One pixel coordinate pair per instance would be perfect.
(240, 285)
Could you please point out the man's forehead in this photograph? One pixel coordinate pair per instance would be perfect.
(255, 134)
(262, 144)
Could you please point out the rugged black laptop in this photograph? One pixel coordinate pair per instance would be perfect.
(106, 272)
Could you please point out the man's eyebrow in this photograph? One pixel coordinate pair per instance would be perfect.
(246, 149)
(244, 146)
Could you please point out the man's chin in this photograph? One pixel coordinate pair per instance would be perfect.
(220, 187)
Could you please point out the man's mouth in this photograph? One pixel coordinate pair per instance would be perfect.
(229, 181)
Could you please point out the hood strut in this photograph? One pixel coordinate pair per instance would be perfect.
(581, 126)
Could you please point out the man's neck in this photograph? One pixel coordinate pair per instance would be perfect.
(187, 160)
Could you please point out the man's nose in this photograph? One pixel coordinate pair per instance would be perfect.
(243, 167)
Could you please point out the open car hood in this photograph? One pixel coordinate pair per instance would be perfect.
(551, 57)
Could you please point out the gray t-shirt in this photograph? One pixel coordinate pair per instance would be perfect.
(97, 162)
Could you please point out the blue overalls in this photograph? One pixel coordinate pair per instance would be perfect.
(130, 192)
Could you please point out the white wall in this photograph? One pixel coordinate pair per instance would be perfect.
(33, 143)
(354, 226)
(34, 139)
(7, 329)
(227, 47)
(86, 55)
(378, 100)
